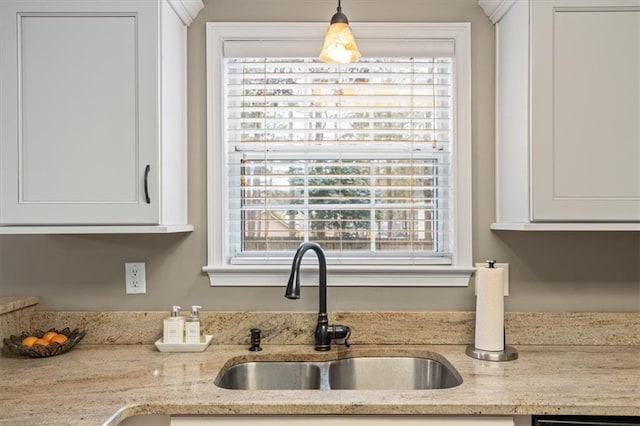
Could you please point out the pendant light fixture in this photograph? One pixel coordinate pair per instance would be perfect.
(339, 44)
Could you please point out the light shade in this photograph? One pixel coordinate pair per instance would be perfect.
(339, 43)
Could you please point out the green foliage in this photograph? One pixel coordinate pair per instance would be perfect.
(333, 183)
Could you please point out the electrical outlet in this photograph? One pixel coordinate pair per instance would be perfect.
(505, 267)
(135, 278)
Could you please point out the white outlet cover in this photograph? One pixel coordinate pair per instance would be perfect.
(504, 266)
(135, 278)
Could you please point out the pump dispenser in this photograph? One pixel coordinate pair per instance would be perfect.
(173, 331)
(192, 326)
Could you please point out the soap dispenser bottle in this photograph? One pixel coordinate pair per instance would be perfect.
(192, 326)
(173, 331)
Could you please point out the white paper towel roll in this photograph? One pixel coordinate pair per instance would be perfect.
(490, 309)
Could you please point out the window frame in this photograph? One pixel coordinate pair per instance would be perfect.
(274, 273)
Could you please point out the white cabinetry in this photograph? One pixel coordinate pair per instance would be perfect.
(568, 114)
(93, 115)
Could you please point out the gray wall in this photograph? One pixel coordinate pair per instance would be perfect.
(561, 271)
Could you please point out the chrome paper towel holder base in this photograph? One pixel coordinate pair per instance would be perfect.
(508, 354)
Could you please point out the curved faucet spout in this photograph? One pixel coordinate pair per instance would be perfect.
(293, 286)
(324, 332)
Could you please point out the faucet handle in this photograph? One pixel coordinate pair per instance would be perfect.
(342, 332)
(346, 338)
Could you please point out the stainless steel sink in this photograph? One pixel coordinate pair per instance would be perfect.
(382, 373)
(391, 373)
(271, 375)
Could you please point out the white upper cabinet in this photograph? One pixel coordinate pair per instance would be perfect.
(568, 114)
(93, 115)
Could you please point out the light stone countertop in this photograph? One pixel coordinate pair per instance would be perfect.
(96, 384)
(13, 303)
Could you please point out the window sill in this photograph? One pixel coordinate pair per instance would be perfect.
(342, 275)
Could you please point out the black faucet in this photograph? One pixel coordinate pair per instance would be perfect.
(325, 332)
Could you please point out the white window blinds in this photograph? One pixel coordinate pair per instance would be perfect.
(356, 157)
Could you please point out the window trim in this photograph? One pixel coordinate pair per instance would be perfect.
(224, 274)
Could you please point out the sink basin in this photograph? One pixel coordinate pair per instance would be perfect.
(381, 373)
(391, 373)
(271, 375)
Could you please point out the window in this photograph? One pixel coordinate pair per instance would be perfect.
(371, 160)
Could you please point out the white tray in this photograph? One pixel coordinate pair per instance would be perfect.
(184, 347)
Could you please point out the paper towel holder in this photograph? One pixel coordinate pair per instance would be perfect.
(508, 354)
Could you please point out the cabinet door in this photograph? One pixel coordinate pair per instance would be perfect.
(79, 112)
(585, 100)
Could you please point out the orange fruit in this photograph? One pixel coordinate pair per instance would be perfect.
(49, 335)
(41, 342)
(59, 338)
(29, 340)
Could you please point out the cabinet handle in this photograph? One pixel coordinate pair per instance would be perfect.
(146, 184)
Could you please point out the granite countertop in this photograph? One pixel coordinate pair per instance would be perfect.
(94, 384)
